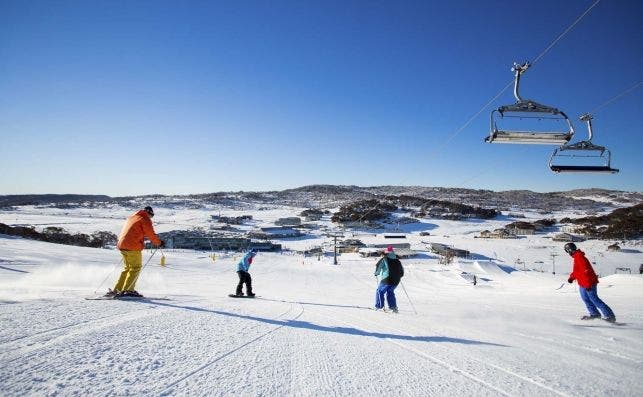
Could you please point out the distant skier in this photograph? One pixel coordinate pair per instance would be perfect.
(389, 272)
(587, 280)
(244, 277)
(641, 269)
(131, 244)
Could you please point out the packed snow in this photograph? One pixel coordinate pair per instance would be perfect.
(312, 330)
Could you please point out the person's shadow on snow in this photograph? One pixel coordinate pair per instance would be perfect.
(294, 323)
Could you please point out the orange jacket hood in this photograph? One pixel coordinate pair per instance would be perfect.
(137, 227)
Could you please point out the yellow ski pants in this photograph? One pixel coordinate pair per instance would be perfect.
(132, 260)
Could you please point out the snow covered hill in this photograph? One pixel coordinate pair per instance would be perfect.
(312, 330)
(333, 196)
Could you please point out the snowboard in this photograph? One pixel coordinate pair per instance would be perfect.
(242, 296)
(591, 323)
(616, 323)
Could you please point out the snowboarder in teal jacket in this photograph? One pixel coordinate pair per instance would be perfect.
(389, 272)
(244, 277)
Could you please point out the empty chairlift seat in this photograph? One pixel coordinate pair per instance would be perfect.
(526, 114)
(582, 156)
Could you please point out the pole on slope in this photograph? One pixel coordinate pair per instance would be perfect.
(553, 256)
(334, 236)
(407, 296)
(106, 277)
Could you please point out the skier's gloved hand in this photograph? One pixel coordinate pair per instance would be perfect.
(162, 245)
(569, 280)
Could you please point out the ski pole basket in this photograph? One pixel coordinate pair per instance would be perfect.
(581, 152)
(523, 110)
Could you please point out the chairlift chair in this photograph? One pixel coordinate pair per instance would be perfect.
(584, 149)
(526, 108)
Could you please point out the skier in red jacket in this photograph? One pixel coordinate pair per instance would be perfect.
(587, 281)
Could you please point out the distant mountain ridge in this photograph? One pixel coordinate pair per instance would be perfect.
(39, 199)
(333, 196)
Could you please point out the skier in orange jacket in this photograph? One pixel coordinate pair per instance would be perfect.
(131, 244)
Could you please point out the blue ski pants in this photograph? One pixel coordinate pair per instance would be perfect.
(389, 291)
(594, 303)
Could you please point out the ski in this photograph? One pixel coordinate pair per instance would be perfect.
(99, 298)
(128, 298)
(142, 298)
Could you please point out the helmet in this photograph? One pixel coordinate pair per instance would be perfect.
(570, 248)
(149, 210)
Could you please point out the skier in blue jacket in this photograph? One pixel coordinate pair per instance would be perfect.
(389, 272)
(244, 277)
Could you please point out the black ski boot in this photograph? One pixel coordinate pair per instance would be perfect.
(591, 317)
(130, 294)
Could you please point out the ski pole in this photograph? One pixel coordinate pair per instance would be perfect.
(109, 274)
(407, 296)
(141, 271)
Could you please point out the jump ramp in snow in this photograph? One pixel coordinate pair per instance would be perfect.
(492, 268)
(484, 271)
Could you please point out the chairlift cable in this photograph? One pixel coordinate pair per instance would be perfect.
(598, 108)
(560, 36)
(487, 169)
(475, 116)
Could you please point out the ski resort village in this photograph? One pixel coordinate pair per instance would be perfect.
(484, 306)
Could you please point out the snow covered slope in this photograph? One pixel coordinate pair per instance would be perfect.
(310, 332)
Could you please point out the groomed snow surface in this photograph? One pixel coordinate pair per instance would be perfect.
(312, 330)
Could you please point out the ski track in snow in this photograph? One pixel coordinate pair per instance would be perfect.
(169, 389)
(551, 352)
(467, 366)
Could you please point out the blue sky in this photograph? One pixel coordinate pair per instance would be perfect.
(137, 97)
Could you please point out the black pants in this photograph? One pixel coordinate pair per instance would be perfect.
(244, 277)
